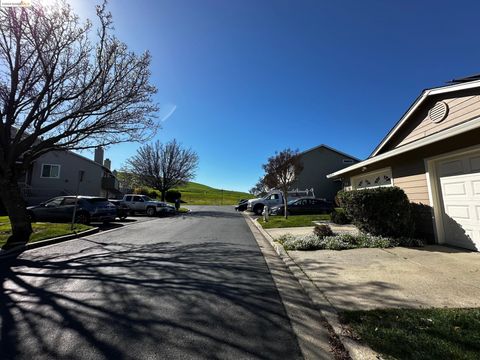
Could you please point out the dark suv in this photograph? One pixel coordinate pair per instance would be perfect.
(89, 208)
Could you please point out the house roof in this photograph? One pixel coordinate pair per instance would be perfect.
(375, 156)
(458, 86)
(331, 149)
(86, 159)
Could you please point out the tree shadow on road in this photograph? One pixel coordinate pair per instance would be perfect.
(128, 301)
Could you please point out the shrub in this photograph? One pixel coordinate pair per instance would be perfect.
(306, 242)
(383, 211)
(409, 242)
(340, 242)
(173, 195)
(322, 230)
(339, 217)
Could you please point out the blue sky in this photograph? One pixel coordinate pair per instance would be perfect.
(247, 78)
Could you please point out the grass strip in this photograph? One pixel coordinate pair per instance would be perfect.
(41, 230)
(292, 221)
(419, 333)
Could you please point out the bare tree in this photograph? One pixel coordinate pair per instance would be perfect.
(62, 87)
(127, 180)
(259, 189)
(163, 166)
(281, 172)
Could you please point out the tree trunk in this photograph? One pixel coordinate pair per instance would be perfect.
(16, 209)
(285, 200)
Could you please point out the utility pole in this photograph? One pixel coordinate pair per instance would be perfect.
(80, 179)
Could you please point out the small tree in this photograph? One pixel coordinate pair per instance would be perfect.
(63, 87)
(281, 172)
(259, 189)
(163, 166)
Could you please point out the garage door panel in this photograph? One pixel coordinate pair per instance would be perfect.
(476, 188)
(454, 189)
(474, 164)
(459, 180)
(458, 212)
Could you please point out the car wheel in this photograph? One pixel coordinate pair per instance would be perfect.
(258, 209)
(83, 218)
(151, 211)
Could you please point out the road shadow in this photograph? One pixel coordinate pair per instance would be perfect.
(127, 301)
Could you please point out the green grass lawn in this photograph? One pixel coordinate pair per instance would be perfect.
(41, 231)
(198, 194)
(292, 221)
(419, 334)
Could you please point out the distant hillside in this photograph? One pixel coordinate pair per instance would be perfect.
(199, 194)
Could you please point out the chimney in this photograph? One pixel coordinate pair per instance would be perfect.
(107, 163)
(98, 158)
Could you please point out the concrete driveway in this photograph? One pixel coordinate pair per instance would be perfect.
(362, 279)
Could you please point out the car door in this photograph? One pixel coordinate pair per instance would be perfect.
(65, 212)
(49, 211)
(303, 206)
(138, 203)
(293, 207)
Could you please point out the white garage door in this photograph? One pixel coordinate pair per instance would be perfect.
(460, 191)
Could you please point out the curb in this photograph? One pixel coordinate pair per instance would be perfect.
(356, 350)
(17, 250)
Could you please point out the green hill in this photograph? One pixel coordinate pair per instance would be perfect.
(199, 194)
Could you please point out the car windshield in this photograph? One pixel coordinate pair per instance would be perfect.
(146, 198)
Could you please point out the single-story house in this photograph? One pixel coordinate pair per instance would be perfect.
(56, 173)
(317, 163)
(433, 154)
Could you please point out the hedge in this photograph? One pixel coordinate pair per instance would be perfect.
(383, 211)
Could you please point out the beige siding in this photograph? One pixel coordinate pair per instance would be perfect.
(461, 109)
(410, 176)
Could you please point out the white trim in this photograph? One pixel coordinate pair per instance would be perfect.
(50, 177)
(353, 179)
(430, 175)
(434, 190)
(453, 131)
(419, 101)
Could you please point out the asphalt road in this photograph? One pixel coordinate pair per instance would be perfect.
(189, 287)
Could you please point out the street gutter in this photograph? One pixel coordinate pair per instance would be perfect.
(356, 350)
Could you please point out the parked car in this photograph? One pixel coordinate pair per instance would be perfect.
(146, 205)
(166, 209)
(60, 209)
(304, 206)
(242, 205)
(274, 198)
(122, 208)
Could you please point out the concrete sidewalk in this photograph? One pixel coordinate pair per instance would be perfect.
(362, 279)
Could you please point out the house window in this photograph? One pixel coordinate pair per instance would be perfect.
(347, 161)
(50, 171)
(379, 178)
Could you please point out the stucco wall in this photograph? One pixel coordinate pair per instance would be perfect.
(70, 165)
(317, 164)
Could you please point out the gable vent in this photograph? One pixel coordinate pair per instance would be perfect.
(439, 112)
